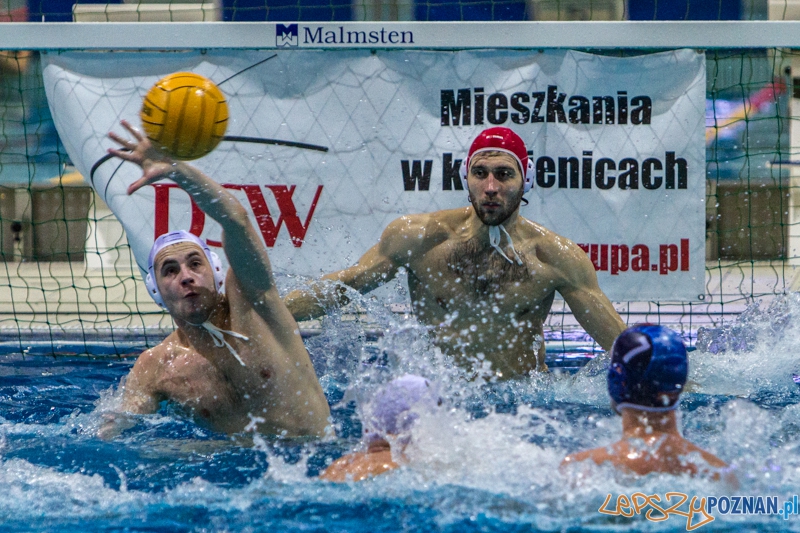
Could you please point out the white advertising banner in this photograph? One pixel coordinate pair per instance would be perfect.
(325, 148)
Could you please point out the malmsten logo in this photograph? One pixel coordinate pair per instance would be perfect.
(466, 107)
(340, 35)
(286, 35)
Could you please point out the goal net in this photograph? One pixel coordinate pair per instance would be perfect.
(671, 166)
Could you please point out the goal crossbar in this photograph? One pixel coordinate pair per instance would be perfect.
(406, 35)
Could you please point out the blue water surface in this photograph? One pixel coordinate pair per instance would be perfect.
(487, 460)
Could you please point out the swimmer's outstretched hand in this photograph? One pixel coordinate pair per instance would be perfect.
(154, 163)
(113, 425)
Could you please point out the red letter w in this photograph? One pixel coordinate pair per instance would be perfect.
(269, 228)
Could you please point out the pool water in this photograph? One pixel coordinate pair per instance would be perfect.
(486, 460)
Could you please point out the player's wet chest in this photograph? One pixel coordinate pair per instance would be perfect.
(450, 276)
(198, 385)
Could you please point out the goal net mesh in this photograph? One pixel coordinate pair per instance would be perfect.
(70, 272)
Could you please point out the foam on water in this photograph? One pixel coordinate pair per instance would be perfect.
(486, 459)
(755, 354)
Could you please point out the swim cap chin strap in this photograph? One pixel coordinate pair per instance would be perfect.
(219, 339)
(620, 406)
(494, 241)
(175, 237)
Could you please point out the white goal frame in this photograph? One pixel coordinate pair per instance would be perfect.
(426, 35)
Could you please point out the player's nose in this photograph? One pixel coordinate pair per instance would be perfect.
(187, 276)
(491, 185)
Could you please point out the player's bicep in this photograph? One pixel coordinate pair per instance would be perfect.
(578, 282)
(247, 256)
(590, 306)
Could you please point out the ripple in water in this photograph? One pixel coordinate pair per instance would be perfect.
(487, 459)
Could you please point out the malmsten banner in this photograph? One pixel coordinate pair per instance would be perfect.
(326, 147)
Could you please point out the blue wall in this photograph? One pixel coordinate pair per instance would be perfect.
(684, 9)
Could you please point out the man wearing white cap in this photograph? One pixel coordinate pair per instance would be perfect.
(483, 276)
(236, 359)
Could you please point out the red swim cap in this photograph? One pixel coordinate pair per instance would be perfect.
(501, 139)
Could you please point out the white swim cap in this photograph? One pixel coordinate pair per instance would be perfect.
(174, 237)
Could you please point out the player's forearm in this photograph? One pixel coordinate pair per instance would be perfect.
(313, 302)
(603, 324)
(211, 197)
(243, 246)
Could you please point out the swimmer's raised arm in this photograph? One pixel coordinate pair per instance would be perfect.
(376, 267)
(246, 253)
(236, 357)
(590, 306)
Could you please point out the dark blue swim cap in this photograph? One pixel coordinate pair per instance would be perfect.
(648, 368)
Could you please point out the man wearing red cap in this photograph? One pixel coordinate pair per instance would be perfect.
(483, 276)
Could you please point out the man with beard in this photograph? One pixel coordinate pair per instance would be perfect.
(483, 276)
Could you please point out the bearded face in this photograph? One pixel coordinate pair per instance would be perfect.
(495, 186)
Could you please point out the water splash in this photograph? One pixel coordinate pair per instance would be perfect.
(487, 459)
(754, 356)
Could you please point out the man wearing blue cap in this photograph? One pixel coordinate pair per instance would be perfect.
(647, 374)
(236, 359)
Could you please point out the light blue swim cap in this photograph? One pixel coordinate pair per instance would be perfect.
(648, 368)
(393, 408)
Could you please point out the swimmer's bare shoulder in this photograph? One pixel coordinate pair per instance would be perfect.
(359, 466)
(573, 275)
(411, 236)
(141, 393)
(554, 250)
(597, 455)
(566, 264)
